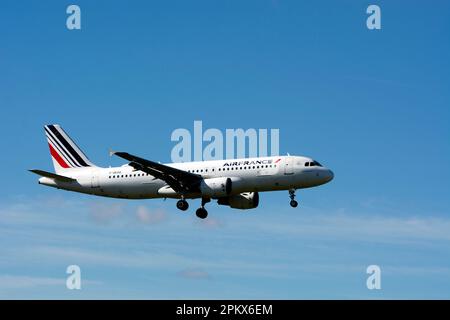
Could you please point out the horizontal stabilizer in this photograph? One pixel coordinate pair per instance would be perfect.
(52, 176)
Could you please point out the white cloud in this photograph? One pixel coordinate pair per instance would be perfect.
(210, 223)
(105, 213)
(111, 257)
(8, 281)
(146, 216)
(281, 244)
(194, 273)
(372, 228)
(13, 282)
(405, 270)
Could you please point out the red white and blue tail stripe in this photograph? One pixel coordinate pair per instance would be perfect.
(64, 151)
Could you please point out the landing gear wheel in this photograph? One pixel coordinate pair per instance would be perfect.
(201, 213)
(293, 203)
(183, 205)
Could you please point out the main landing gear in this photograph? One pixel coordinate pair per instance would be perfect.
(183, 205)
(201, 212)
(293, 202)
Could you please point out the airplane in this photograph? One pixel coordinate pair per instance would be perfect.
(234, 182)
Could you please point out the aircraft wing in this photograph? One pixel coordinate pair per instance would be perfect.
(179, 180)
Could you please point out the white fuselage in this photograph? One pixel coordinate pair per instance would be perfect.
(248, 175)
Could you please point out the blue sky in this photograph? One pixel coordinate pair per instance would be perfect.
(371, 105)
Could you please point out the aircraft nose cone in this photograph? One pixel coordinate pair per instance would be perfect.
(330, 175)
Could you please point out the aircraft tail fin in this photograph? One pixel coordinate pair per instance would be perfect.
(64, 151)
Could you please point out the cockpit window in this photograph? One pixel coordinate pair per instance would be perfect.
(312, 164)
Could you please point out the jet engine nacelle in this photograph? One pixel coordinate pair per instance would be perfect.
(246, 200)
(216, 187)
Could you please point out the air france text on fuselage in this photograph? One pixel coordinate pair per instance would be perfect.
(248, 163)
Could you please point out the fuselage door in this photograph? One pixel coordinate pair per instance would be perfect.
(289, 166)
(94, 182)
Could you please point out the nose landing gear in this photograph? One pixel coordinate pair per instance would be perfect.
(293, 202)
